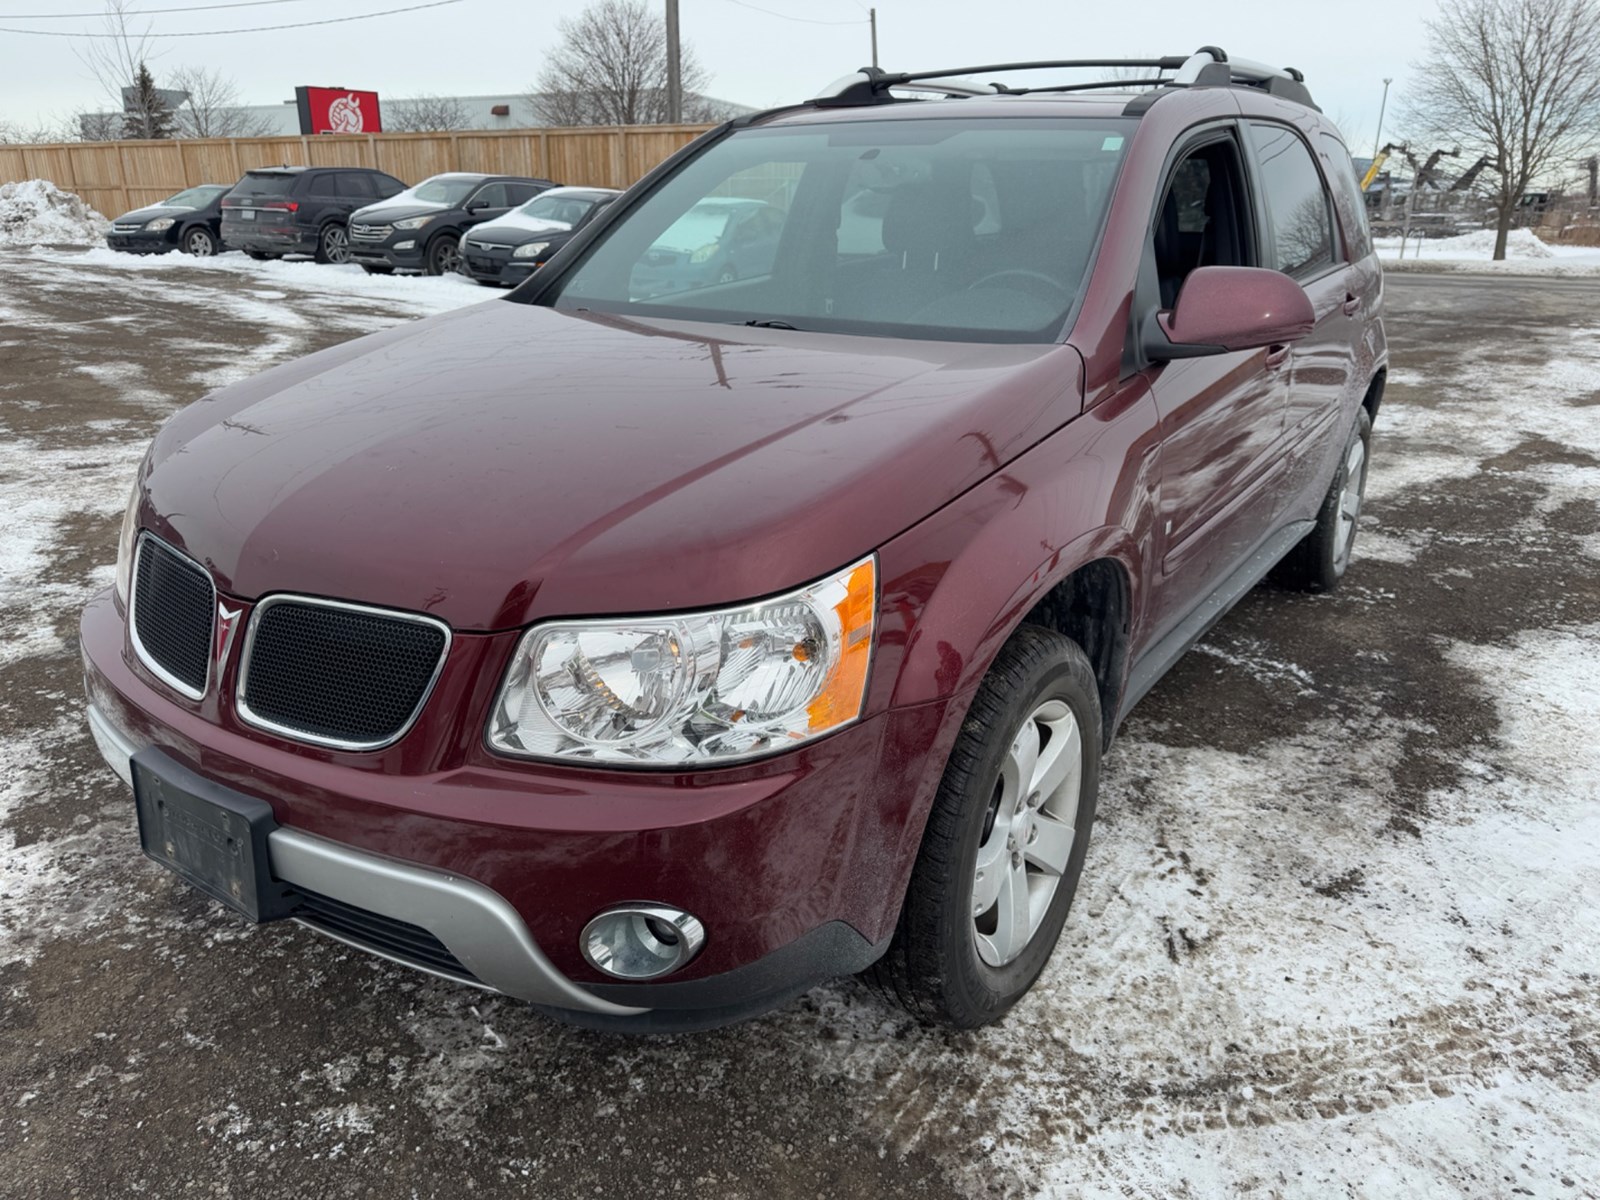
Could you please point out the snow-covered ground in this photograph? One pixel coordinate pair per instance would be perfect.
(1526, 254)
(1338, 934)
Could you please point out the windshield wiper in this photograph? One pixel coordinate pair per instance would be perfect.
(771, 324)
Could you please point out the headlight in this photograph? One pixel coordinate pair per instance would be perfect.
(412, 222)
(130, 533)
(705, 254)
(158, 225)
(530, 250)
(696, 688)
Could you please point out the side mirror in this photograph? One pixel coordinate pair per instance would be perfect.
(1229, 308)
(477, 205)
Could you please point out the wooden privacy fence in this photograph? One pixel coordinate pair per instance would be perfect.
(115, 177)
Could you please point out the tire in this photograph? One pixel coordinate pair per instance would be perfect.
(199, 241)
(333, 244)
(444, 254)
(378, 270)
(262, 255)
(948, 962)
(1319, 560)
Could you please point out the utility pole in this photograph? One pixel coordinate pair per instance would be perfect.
(1378, 141)
(872, 15)
(674, 67)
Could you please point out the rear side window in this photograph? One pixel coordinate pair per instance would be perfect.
(357, 187)
(264, 185)
(1299, 215)
(325, 183)
(1347, 196)
(521, 193)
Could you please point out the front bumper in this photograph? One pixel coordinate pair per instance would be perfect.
(141, 242)
(387, 253)
(495, 265)
(795, 865)
(475, 925)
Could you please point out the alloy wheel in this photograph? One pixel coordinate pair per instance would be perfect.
(200, 243)
(335, 244)
(1350, 501)
(1028, 834)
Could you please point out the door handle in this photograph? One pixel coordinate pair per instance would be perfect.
(1352, 304)
(1276, 357)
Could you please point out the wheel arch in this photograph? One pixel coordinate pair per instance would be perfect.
(1374, 394)
(1092, 606)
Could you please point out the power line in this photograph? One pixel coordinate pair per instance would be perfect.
(788, 17)
(388, 12)
(143, 12)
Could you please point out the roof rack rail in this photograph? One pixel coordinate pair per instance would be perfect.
(1208, 66)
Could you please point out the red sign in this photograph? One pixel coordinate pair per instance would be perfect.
(338, 110)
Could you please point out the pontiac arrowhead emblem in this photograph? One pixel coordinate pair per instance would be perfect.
(227, 624)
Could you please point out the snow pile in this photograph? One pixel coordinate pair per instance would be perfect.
(1526, 254)
(1520, 243)
(36, 212)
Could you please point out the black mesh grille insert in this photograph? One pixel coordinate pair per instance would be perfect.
(339, 674)
(173, 606)
(410, 943)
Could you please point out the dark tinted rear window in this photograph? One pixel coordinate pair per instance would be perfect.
(265, 185)
(1351, 203)
(1297, 202)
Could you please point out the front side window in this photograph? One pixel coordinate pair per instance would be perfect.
(490, 195)
(448, 190)
(939, 227)
(1202, 220)
(1298, 210)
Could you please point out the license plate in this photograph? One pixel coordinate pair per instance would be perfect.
(247, 214)
(212, 837)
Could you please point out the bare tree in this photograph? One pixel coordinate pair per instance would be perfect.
(115, 61)
(422, 114)
(213, 109)
(98, 126)
(14, 134)
(610, 68)
(1517, 80)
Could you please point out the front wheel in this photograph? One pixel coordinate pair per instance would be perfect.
(199, 242)
(1319, 560)
(1005, 841)
(444, 255)
(333, 245)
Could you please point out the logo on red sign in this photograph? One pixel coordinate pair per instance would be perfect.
(338, 110)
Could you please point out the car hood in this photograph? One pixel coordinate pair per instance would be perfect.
(507, 462)
(397, 210)
(513, 229)
(151, 213)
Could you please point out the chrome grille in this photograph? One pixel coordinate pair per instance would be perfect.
(172, 608)
(370, 233)
(335, 674)
(127, 228)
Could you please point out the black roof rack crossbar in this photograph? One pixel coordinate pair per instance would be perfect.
(1208, 66)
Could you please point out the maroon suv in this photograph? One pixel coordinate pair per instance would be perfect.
(655, 655)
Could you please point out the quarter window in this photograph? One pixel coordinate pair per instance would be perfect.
(1298, 211)
(1352, 205)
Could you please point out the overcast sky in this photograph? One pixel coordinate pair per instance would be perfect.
(478, 47)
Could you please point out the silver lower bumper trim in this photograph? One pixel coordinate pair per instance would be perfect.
(475, 923)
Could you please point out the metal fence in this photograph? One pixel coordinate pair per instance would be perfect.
(115, 177)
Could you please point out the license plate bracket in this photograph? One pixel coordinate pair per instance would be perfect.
(210, 836)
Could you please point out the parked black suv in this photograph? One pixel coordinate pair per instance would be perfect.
(421, 228)
(275, 211)
(190, 221)
(507, 250)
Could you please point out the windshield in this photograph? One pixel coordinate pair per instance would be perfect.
(195, 197)
(441, 189)
(558, 210)
(941, 228)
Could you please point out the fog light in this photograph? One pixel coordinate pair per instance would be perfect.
(405, 245)
(641, 941)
